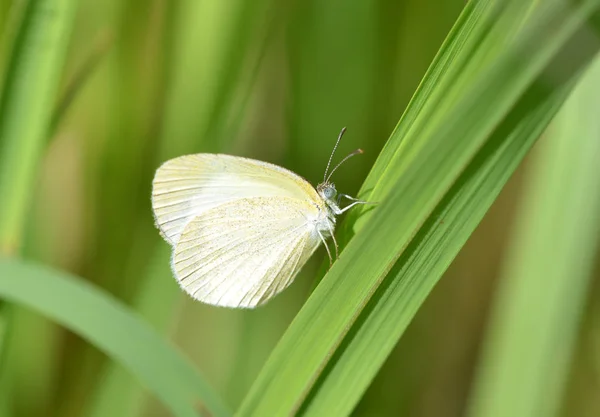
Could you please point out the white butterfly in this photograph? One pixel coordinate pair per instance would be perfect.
(241, 229)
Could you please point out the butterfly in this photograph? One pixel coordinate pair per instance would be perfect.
(242, 229)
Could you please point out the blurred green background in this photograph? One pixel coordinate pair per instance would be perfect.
(275, 80)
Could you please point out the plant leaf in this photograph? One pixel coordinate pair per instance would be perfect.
(115, 330)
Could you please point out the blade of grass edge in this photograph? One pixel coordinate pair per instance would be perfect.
(448, 145)
(537, 312)
(112, 328)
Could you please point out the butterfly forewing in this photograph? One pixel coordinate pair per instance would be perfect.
(187, 186)
(241, 253)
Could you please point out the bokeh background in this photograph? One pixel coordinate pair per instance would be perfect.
(269, 79)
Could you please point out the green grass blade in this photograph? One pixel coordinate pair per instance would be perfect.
(26, 106)
(468, 31)
(431, 157)
(114, 329)
(541, 297)
(422, 264)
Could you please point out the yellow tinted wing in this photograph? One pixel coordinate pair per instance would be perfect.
(189, 185)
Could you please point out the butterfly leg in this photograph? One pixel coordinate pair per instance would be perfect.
(355, 202)
(326, 247)
(339, 198)
(337, 249)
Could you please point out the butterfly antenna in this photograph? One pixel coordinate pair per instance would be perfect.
(356, 152)
(332, 153)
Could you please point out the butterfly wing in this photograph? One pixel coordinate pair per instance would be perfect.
(189, 185)
(242, 253)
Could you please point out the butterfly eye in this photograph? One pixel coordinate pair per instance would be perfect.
(329, 192)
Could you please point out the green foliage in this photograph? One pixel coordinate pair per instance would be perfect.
(31, 79)
(430, 158)
(530, 345)
(114, 329)
(276, 80)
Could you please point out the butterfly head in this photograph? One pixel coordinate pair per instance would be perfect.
(329, 195)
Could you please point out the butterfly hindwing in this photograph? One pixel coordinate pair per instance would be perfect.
(241, 253)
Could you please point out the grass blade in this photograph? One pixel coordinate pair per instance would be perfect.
(536, 318)
(422, 264)
(29, 88)
(434, 153)
(114, 329)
